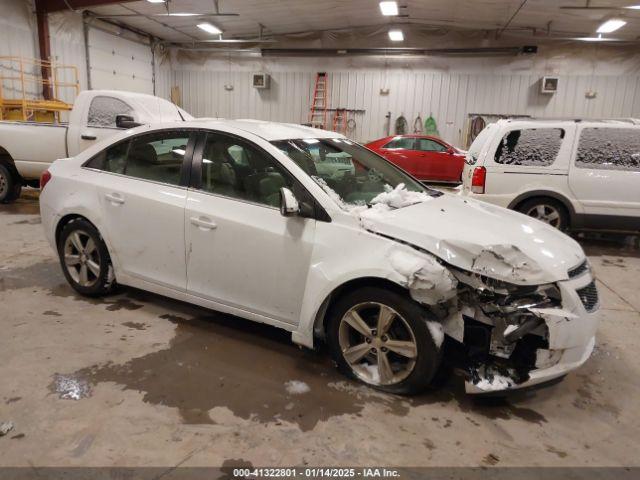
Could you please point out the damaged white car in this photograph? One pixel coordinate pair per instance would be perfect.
(250, 218)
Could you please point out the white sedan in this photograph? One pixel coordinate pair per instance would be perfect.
(235, 216)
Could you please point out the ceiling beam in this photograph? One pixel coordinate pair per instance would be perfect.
(50, 6)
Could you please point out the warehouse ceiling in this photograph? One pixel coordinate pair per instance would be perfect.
(535, 18)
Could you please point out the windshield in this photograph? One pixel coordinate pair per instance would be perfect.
(348, 172)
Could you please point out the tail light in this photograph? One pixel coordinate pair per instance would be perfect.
(44, 179)
(478, 179)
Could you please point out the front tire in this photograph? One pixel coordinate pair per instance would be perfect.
(85, 259)
(381, 338)
(10, 185)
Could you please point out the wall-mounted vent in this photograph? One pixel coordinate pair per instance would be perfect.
(260, 80)
(548, 84)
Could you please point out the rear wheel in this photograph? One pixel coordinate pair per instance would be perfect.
(10, 185)
(546, 210)
(381, 338)
(85, 259)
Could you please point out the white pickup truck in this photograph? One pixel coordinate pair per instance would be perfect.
(27, 149)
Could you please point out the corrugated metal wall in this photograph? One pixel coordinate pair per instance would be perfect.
(18, 40)
(449, 97)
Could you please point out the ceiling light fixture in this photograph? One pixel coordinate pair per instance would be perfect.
(182, 14)
(207, 27)
(396, 35)
(156, 1)
(389, 9)
(633, 7)
(611, 25)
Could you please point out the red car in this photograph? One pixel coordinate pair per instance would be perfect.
(426, 158)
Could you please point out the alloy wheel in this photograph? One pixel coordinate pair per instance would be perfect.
(82, 258)
(377, 343)
(546, 213)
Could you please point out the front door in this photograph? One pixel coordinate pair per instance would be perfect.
(241, 252)
(96, 123)
(434, 162)
(143, 200)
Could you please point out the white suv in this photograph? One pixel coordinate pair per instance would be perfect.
(571, 174)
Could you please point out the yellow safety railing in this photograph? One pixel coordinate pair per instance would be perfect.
(27, 83)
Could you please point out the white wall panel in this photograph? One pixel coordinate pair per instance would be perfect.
(449, 97)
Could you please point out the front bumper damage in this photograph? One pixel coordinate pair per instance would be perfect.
(507, 337)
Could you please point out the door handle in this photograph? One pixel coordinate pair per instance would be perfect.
(203, 223)
(114, 198)
(88, 137)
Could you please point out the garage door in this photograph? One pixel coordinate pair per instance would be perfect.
(119, 64)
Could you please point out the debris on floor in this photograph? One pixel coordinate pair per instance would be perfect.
(296, 387)
(69, 388)
(5, 427)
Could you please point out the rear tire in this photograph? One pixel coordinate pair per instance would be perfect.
(392, 351)
(10, 185)
(547, 210)
(85, 260)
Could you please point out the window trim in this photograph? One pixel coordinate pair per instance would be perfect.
(185, 169)
(195, 180)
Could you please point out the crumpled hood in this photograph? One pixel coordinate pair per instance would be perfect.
(482, 238)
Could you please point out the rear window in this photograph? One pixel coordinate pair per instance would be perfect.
(533, 147)
(609, 149)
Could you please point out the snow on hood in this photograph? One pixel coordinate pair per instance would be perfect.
(478, 237)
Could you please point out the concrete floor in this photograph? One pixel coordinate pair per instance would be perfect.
(162, 383)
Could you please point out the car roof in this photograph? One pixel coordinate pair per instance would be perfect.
(269, 131)
(570, 121)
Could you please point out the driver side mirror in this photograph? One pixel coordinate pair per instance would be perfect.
(289, 205)
(450, 151)
(126, 121)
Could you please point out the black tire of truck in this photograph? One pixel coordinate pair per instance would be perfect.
(10, 184)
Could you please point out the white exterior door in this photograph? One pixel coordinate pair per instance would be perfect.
(241, 252)
(605, 172)
(143, 206)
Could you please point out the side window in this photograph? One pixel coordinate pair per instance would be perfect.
(609, 149)
(534, 147)
(235, 168)
(113, 159)
(407, 143)
(428, 145)
(157, 156)
(103, 111)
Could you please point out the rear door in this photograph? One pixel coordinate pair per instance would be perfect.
(143, 195)
(526, 157)
(605, 170)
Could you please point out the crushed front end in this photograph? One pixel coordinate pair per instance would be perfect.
(506, 336)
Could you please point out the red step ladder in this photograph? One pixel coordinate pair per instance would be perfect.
(318, 112)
